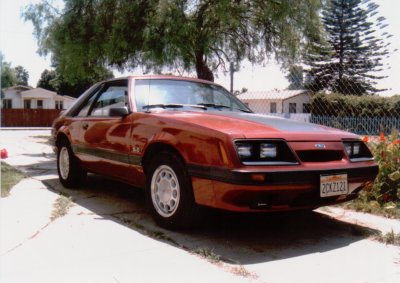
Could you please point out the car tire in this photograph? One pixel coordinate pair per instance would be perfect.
(169, 193)
(70, 171)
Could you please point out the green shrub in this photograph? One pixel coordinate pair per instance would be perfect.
(339, 105)
(382, 197)
(387, 154)
(386, 188)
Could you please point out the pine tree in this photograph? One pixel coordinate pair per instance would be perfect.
(348, 60)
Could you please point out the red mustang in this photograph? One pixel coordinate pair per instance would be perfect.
(189, 142)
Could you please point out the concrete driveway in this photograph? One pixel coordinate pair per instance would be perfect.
(103, 233)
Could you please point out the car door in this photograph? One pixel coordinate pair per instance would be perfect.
(104, 143)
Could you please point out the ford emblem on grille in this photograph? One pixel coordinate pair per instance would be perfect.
(319, 145)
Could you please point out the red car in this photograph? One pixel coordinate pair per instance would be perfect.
(189, 142)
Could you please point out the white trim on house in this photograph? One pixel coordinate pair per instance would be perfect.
(36, 98)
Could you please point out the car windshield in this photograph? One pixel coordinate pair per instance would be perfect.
(173, 94)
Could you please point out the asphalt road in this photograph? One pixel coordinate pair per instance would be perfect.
(103, 233)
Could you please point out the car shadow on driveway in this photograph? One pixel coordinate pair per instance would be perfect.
(231, 237)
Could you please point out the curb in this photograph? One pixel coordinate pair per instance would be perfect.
(24, 128)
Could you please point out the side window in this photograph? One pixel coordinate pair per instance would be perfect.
(86, 107)
(113, 96)
(109, 95)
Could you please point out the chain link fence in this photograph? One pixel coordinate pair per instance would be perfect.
(361, 114)
(337, 81)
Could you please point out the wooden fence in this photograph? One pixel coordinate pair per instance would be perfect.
(28, 117)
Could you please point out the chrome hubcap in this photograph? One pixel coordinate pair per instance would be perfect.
(63, 163)
(165, 191)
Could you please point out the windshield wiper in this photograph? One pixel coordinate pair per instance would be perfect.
(219, 106)
(150, 106)
(244, 110)
(164, 106)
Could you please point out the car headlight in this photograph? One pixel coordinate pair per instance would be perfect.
(244, 150)
(264, 152)
(348, 148)
(268, 150)
(357, 151)
(352, 148)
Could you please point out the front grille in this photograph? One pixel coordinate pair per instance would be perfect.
(319, 155)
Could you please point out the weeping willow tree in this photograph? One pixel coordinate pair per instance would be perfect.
(86, 36)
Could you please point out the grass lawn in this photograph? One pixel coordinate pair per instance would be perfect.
(390, 210)
(9, 178)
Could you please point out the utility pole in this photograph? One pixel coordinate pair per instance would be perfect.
(231, 70)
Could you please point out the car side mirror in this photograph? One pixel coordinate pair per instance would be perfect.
(119, 111)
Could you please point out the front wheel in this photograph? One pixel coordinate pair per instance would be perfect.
(169, 192)
(70, 172)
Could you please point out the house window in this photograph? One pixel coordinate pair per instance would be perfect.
(292, 107)
(39, 104)
(306, 108)
(7, 103)
(27, 104)
(272, 107)
(59, 104)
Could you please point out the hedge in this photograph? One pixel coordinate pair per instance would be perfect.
(339, 105)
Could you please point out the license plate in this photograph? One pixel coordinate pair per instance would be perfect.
(333, 185)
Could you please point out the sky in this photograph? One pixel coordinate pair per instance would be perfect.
(19, 47)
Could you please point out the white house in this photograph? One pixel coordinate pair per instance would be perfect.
(34, 98)
(293, 104)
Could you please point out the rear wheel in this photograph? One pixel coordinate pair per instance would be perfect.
(70, 172)
(169, 192)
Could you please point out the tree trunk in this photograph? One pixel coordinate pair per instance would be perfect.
(203, 71)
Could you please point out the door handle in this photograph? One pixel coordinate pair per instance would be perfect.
(85, 126)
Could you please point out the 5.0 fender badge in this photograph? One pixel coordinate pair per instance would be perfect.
(320, 146)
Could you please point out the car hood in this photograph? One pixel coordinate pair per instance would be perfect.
(250, 125)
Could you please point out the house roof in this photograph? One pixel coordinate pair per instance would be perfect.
(66, 97)
(44, 93)
(272, 94)
(18, 88)
(38, 93)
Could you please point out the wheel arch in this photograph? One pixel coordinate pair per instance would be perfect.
(155, 148)
(61, 137)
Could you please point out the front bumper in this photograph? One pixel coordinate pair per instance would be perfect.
(238, 190)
